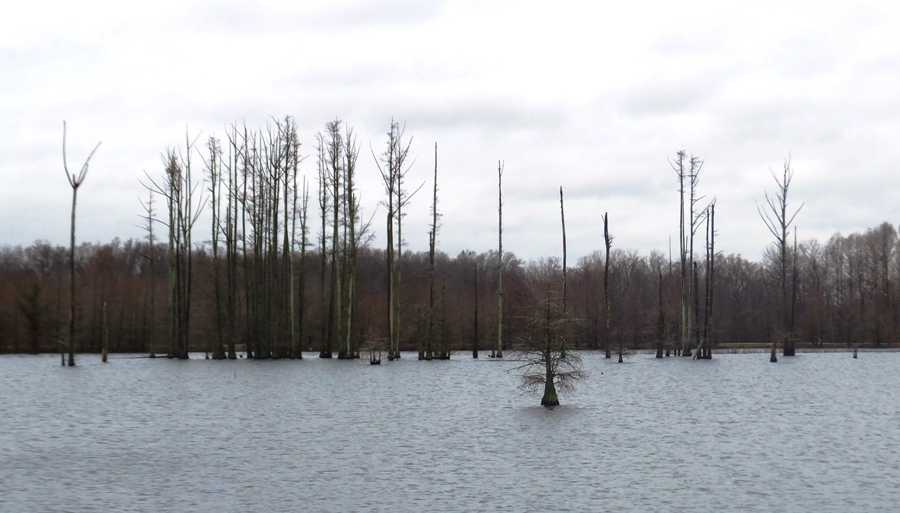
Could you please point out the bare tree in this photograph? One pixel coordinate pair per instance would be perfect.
(324, 206)
(657, 263)
(356, 237)
(607, 240)
(179, 190)
(705, 348)
(565, 293)
(233, 212)
(214, 170)
(393, 166)
(498, 351)
(301, 286)
(428, 352)
(778, 219)
(75, 182)
(334, 173)
(151, 262)
(296, 312)
(541, 349)
(690, 220)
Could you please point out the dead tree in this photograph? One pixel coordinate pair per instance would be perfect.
(75, 182)
(690, 219)
(301, 285)
(151, 262)
(661, 315)
(356, 237)
(778, 219)
(214, 171)
(475, 317)
(393, 166)
(497, 352)
(179, 190)
(428, 351)
(708, 326)
(334, 174)
(607, 240)
(324, 205)
(565, 294)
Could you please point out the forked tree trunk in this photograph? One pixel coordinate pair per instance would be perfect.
(74, 181)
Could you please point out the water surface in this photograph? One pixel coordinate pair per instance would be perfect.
(818, 432)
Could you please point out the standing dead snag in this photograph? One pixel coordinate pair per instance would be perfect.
(661, 316)
(178, 189)
(356, 234)
(608, 244)
(690, 220)
(324, 205)
(778, 220)
(498, 351)
(708, 331)
(427, 353)
(214, 169)
(151, 261)
(393, 166)
(475, 317)
(562, 213)
(75, 181)
(334, 174)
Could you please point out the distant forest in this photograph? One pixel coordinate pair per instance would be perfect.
(847, 295)
(283, 269)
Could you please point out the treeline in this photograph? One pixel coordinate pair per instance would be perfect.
(846, 295)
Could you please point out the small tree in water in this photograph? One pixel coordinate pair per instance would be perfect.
(545, 365)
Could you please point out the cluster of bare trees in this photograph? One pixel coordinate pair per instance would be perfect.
(251, 286)
(394, 166)
(339, 203)
(179, 191)
(692, 218)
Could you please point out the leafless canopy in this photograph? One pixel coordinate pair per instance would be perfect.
(776, 216)
(76, 180)
(541, 350)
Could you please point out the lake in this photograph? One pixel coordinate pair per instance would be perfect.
(817, 432)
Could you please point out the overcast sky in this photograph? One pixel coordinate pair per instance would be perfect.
(595, 97)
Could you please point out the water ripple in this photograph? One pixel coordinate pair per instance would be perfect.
(813, 433)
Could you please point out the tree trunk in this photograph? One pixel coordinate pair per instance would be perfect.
(550, 397)
(72, 282)
(608, 245)
(498, 352)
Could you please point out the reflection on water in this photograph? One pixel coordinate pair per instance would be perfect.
(819, 432)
